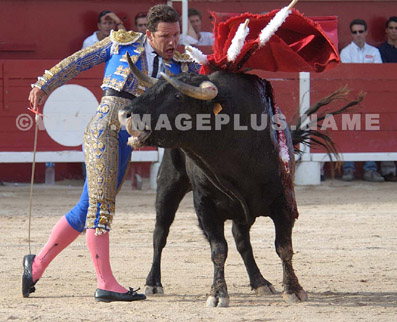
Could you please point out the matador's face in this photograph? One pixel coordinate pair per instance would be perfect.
(165, 39)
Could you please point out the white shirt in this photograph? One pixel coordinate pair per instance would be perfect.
(354, 54)
(206, 39)
(150, 54)
(89, 41)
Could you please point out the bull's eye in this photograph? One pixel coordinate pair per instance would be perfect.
(178, 96)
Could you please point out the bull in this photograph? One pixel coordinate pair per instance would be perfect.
(235, 174)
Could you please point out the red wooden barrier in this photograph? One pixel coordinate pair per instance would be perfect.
(379, 81)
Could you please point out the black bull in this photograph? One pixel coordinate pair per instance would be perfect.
(234, 174)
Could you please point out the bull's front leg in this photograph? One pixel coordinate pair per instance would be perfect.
(219, 295)
(293, 291)
(172, 185)
(241, 234)
(214, 232)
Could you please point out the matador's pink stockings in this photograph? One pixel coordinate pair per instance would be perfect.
(62, 235)
(99, 248)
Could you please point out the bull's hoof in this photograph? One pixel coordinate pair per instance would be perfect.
(300, 296)
(213, 301)
(151, 290)
(265, 290)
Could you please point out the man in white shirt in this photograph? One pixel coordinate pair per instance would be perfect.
(358, 51)
(107, 21)
(195, 36)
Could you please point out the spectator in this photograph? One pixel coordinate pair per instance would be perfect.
(388, 52)
(107, 154)
(194, 35)
(107, 21)
(358, 51)
(140, 22)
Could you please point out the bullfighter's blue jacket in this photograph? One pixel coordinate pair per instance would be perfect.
(113, 51)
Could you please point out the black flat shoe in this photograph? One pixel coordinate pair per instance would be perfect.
(109, 296)
(27, 280)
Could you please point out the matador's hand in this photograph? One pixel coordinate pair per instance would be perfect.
(37, 97)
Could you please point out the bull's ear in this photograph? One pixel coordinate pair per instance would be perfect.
(206, 91)
(142, 77)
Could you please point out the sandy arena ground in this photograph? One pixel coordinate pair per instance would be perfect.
(345, 244)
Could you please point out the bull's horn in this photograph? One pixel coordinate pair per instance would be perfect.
(142, 77)
(206, 91)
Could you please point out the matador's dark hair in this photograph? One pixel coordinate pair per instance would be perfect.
(160, 13)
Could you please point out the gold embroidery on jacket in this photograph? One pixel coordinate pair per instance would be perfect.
(124, 37)
(184, 67)
(123, 71)
(101, 147)
(134, 58)
(182, 57)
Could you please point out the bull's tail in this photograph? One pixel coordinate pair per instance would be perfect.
(304, 130)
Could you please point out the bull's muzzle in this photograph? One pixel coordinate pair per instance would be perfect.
(138, 135)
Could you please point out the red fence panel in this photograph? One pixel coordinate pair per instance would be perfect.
(379, 81)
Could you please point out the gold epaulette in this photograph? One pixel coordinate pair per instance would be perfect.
(123, 37)
(184, 58)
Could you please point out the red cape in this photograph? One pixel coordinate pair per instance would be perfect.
(298, 45)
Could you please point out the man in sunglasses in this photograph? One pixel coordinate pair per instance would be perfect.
(358, 51)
